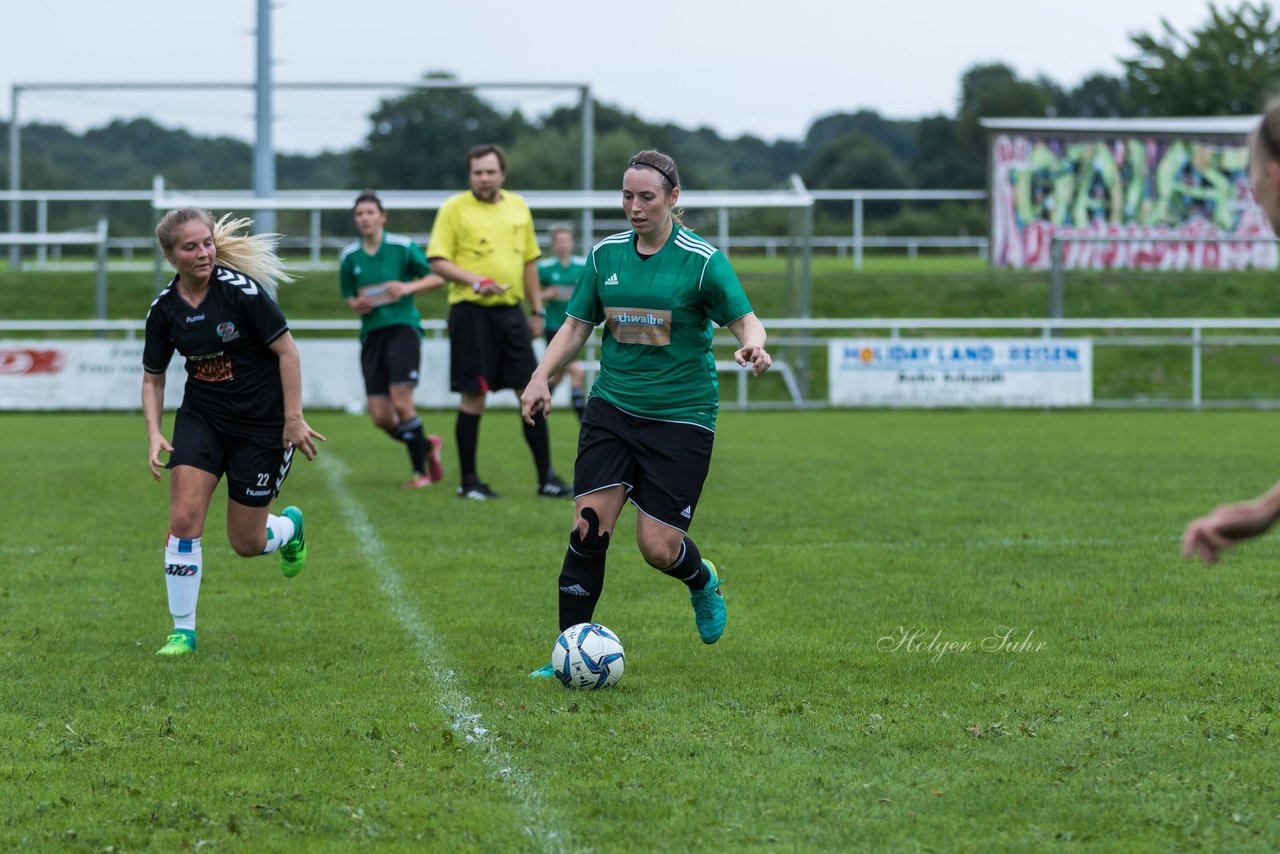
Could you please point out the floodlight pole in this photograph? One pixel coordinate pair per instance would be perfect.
(264, 155)
(15, 176)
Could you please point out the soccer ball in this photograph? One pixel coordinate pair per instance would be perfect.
(587, 656)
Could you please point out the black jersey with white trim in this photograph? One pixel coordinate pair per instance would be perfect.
(233, 377)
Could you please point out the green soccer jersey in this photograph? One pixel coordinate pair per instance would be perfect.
(562, 277)
(398, 259)
(656, 358)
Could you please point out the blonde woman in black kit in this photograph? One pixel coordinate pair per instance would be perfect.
(241, 412)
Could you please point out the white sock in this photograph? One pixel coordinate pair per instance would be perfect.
(183, 566)
(279, 531)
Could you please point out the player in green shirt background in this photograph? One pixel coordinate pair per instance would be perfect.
(379, 274)
(558, 275)
(649, 424)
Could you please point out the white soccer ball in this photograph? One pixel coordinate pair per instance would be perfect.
(587, 656)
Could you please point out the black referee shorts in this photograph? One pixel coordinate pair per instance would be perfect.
(489, 348)
(663, 464)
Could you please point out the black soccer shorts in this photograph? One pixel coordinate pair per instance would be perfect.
(489, 348)
(255, 468)
(390, 356)
(663, 464)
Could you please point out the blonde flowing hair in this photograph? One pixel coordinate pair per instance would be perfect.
(252, 254)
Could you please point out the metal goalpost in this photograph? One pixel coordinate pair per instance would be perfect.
(15, 130)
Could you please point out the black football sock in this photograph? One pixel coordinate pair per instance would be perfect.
(410, 432)
(688, 567)
(579, 402)
(582, 574)
(467, 434)
(540, 443)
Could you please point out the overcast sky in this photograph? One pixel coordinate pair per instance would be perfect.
(765, 68)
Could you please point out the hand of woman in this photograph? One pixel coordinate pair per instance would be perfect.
(298, 434)
(757, 357)
(157, 444)
(535, 398)
(1209, 536)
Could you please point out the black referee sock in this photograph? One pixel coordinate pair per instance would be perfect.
(466, 433)
(410, 432)
(582, 573)
(689, 567)
(540, 443)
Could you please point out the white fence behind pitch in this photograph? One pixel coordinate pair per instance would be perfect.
(795, 343)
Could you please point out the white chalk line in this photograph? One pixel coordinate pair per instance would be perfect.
(456, 705)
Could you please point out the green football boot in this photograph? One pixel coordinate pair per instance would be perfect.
(293, 554)
(708, 607)
(181, 642)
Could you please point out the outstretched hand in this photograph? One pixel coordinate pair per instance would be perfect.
(157, 444)
(757, 357)
(1211, 535)
(299, 434)
(535, 399)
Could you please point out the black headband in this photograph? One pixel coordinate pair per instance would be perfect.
(663, 172)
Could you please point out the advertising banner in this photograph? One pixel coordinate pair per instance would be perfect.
(40, 374)
(1159, 189)
(934, 372)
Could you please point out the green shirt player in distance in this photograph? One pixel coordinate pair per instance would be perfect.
(379, 275)
(559, 275)
(649, 425)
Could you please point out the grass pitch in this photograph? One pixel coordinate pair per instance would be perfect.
(947, 631)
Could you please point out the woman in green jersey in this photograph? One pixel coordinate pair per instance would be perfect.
(1209, 536)
(378, 275)
(558, 276)
(649, 424)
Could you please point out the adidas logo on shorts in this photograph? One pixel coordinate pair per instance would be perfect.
(687, 512)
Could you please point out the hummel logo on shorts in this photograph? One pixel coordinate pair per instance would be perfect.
(612, 280)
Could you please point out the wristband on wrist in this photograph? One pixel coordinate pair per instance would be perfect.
(539, 312)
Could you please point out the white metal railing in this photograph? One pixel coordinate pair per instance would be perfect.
(801, 335)
(859, 198)
(316, 201)
(95, 237)
(1261, 257)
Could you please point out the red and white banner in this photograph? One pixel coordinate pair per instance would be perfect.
(98, 375)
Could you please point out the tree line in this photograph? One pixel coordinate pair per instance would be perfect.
(1229, 65)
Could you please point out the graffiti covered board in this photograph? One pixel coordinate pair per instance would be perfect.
(1161, 189)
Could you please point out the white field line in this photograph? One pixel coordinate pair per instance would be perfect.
(455, 705)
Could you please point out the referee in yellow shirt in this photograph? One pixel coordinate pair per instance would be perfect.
(484, 245)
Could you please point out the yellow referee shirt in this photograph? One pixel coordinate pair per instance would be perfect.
(494, 241)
